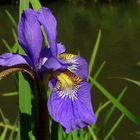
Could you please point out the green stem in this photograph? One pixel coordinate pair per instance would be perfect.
(40, 112)
(54, 130)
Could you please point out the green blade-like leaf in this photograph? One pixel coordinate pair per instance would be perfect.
(75, 135)
(31, 136)
(87, 136)
(94, 53)
(101, 108)
(10, 127)
(122, 108)
(111, 110)
(9, 94)
(114, 127)
(5, 120)
(132, 81)
(25, 107)
(127, 79)
(24, 4)
(98, 72)
(15, 48)
(4, 133)
(11, 18)
(7, 45)
(15, 129)
(54, 130)
(60, 133)
(24, 95)
(14, 35)
(18, 136)
(94, 137)
(35, 4)
(81, 133)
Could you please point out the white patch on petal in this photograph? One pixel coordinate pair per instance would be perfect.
(67, 84)
(69, 92)
(44, 59)
(42, 62)
(74, 66)
(71, 59)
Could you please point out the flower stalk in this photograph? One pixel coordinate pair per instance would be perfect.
(40, 112)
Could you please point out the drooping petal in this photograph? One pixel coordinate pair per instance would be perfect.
(53, 63)
(17, 68)
(9, 59)
(29, 35)
(77, 64)
(48, 21)
(70, 103)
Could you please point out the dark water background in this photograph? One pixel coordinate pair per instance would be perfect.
(78, 28)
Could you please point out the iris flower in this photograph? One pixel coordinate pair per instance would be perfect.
(70, 102)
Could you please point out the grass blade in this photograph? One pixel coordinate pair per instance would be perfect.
(94, 53)
(35, 4)
(3, 135)
(94, 137)
(9, 94)
(11, 136)
(122, 108)
(60, 133)
(132, 81)
(101, 108)
(75, 135)
(54, 130)
(5, 120)
(111, 110)
(7, 45)
(99, 70)
(11, 18)
(18, 136)
(114, 127)
(25, 107)
(81, 134)
(14, 35)
(96, 75)
(24, 4)
(24, 95)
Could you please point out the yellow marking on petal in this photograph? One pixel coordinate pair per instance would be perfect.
(67, 79)
(66, 56)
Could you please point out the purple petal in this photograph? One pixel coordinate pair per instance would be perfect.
(72, 113)
(48, 21)
(46, 52)
(29, 35)
(52, 83)
(60, 48)
(77, 64)
(9, 59)
(55, 64)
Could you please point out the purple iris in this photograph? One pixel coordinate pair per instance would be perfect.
(70, 102)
